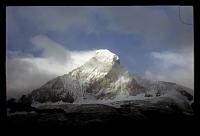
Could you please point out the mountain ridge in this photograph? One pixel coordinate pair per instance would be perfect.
(102, 78)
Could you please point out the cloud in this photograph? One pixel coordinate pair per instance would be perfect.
(53, 18)
(26, 72)
(50, 49)
(156, 25)
(175, 67)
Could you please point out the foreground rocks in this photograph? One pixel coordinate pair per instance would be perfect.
(99, 114)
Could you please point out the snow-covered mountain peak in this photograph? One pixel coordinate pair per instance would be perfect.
(106, 56)
(102, 80)
(100, 65)
(101, 77)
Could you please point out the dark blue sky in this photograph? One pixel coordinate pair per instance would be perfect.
(133, 33)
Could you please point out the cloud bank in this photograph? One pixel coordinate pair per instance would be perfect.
(175, 67)
(26, 72)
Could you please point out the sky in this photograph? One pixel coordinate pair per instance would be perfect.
(154, 42)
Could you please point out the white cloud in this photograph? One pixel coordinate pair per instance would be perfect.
(175, 67)
(51, 49)
(26, 72)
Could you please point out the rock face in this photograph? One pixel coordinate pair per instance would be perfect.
(102, 77)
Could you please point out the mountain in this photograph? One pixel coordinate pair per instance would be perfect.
(103, 80)
(102, 91)
(102, 77)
